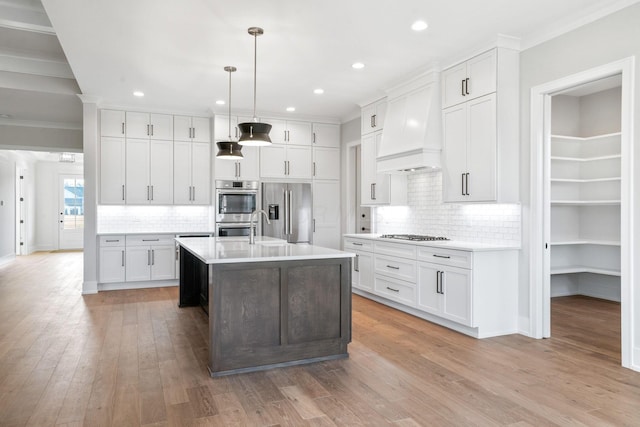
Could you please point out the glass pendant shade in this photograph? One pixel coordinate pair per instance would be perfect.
(254, 133)
(229, 150)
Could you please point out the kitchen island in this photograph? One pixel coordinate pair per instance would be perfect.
(270, 304)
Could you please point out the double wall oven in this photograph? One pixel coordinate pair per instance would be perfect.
(235, 200)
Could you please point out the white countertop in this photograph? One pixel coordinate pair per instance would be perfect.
(225, 250)
(444, 244)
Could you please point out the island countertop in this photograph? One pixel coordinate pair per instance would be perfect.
(226, 250)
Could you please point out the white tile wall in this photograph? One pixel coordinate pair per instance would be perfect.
(427, 214)
(137, 219)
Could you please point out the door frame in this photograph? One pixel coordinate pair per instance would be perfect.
(539, 232)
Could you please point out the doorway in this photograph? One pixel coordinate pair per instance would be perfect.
(579, 209)
(71, 212)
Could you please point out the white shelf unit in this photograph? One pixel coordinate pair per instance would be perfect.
(585, 191)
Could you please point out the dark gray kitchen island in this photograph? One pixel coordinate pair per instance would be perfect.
(270, 304)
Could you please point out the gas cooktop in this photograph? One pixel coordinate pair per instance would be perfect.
(415, 237)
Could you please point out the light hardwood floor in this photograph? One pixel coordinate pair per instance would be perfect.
(127, 358)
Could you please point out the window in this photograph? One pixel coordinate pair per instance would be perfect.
(73, 204)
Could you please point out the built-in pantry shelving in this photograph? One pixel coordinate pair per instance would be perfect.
(585, 191)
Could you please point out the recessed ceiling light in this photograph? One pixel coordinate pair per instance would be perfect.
(358, 65)
(291, 109)
(419, 26)
(138, 93)
(220, 102)
(318, 91)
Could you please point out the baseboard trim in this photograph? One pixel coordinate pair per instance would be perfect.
(89, 287)
(635, 359)
(136, 285)
(43, 248)
(7, 259)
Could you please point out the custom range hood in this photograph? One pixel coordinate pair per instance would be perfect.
(412, 132)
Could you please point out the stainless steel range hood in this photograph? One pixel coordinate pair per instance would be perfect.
(412, 132)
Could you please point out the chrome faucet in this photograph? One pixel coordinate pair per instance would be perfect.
(252, 221)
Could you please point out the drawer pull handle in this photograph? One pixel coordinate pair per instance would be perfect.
(150, 240)
(111, 241)
(357, 244)
(441, 256)
(394, 290)
(394, 267)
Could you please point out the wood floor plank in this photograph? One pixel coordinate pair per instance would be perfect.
(134, 358)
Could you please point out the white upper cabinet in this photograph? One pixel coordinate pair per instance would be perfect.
(247, 168)
(149, 176)
(480, 154)
(278, 161)
(196, 129)
(326, 163)
(379, 189)
(471, 79)
(150, 126)
(326, 135)
(372, 116)
(290, 132)
(112, 123)
(112, 171)
(221, 128)
(192, 173)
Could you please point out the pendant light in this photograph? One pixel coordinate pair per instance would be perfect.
(229, 149)
(254, 133)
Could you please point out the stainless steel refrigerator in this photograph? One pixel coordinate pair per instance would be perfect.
(289, 207)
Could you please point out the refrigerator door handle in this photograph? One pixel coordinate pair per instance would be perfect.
(286, 213)
(290, 203)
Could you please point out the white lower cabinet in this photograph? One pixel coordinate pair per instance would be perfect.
(112, 259)
(472, 291)
(136, 258)
(150, 258)
(445, 292)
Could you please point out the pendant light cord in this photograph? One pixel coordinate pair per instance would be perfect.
(229, 119)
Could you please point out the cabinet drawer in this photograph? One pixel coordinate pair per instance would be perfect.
(404, 293)
(396, 249)
(150, 239)
(397, 268)
(451, 257)
(106, 241)
(358, 244)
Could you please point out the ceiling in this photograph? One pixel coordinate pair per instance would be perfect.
(175, 52)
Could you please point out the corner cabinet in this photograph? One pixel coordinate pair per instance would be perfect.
(480, 154)
(471, 291)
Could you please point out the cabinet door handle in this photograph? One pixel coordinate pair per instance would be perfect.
(153, 257)
(441, 256)
(112, 240)
(466, 182)
(356, 244)
(314, 168)
(462, 87)
(123, 258)
(373, 189)
(147, 192)
(194, 193)
(150, 240)
(193, 131)
(285, 167)
(152, 192)
(122, 191)
(148, 130)
(375, 120)
(314, 225)
(466, 86)
(239, 169)
(462, 181)
(394, 290)
(438, 282)
(371, 120)
(123, 128)
(151, 130)
(148, 257)
(314, 137)
(356, 263)
(442, 282)
(393, 267)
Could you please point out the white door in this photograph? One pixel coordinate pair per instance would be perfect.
(272, 161)
(221, 128)
(429, 288)
(226, 168)
(138, 263)
(326, 163)
(112, 264)
(161, 126)
(138, 191)
(138, 125)
(299, 133)
(112, 123)
(481, 71)
(112, 171)
(453, 87)
(326, 135)
(455, 288)
(182, 128)
(249, 166)
(367, 169)
(163, 262)
(71, 213)
(201, 129)
(161, 172)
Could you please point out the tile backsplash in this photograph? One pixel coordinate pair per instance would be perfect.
(140, 219)
(427, 214)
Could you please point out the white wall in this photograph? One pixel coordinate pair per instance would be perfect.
(7, 207)
(47, 187)
(609, 39)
